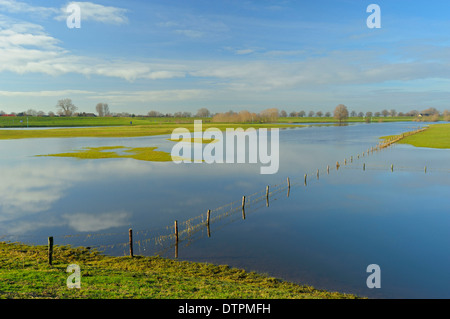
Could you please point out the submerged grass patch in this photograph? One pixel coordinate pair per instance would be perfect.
(138, 153)
(25, 274)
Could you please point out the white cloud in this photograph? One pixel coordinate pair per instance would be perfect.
(96, 12)
(44, 93)
(244, 51)
(85, 222)
(190, 33)
(13, 6)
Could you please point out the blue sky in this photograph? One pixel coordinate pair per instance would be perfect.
(177, 55)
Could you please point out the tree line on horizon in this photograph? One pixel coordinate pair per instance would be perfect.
(66, 108)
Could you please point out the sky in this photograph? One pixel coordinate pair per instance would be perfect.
(183, 55)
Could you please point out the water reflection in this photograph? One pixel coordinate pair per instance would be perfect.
(323, 230)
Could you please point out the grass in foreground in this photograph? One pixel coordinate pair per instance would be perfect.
(435, 136)
(25, 274)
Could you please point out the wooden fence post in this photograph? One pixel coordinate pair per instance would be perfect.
(130, 238)
(50, 250)
(176, 231)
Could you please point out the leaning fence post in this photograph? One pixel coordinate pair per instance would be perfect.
(208, 216)
(243, 201)
(176, 231)
(130, 239)
(288, 183)
(50, 250)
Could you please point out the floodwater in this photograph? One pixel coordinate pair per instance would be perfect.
(325, 233)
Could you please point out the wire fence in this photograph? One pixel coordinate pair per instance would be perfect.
(159, 241)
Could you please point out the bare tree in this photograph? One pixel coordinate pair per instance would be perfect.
(311, 113)
(203, 112)
(102, 109)
(319, 113)
(269, 115)
(283, 113)
(66, 107)
(447, 115)
(328, 114)
(301, 113)
(154, 114)
(393, 112)
(31, 112)
(385, 113)
(369, 114)
(430, 111)
(341, 112)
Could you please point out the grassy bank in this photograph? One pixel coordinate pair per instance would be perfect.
(34, 121)
(30, 122)
(25, 274)
(124, 131)
(435, 136)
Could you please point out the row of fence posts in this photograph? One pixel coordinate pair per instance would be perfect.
(208, 214)
(208, 218)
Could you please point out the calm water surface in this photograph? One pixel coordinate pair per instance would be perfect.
(323, 234)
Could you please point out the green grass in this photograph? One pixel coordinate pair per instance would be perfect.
(25, 274)
(125, 131)
(15, 122)
(88, 121)
(138, 153)
(435, 136)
